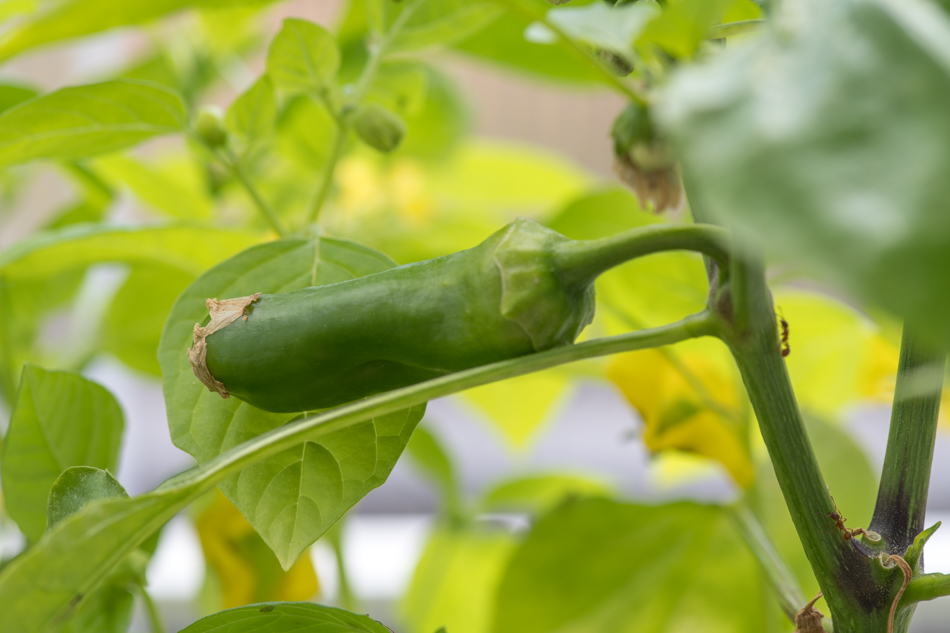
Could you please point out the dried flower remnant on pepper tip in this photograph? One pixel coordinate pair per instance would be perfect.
(223, 313)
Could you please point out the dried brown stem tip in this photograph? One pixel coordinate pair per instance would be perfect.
(223, 313)
(808, 619)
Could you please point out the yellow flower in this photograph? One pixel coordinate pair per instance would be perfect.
(676, 416)
(246, 569)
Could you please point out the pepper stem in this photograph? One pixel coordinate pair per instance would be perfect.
(580, 262)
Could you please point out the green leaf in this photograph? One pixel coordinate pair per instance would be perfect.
(59, 420)
(683, 26)
(437, 22)
(611, 28)
(277, 617)
(88, 120)
(847, 177)
(293, 498)
(73, 18)
(305, 133)
(191, 249)
(135, 320)
(303, 57)
(168, 190)
(503, 43)
(438, 125)
(598, 565)
(540, 494)
(14, 95)
(253, 115)
(455, 582)
(76, 487)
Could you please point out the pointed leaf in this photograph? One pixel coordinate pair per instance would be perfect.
(59, 420)
(253, 115)
(278, 617)
(76, 487)
(293, 498)
(88, 120)
(303, 57)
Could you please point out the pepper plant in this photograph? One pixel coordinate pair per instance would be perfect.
(787, 152)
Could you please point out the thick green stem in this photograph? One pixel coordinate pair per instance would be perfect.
(790, 596)
(584, 260)
(905, 478)
(844, 574)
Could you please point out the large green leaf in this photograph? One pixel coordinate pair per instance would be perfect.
(599, 566)
(59, 420)
(172, 189)
(278, 617)
(304, 57)
(824, 143)
(611, 28)
(293, 498)
(191, 249)
(253, 115)
(73, 18)
(88, 120)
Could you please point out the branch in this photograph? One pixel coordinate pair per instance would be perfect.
(926, 587)
(905, 477)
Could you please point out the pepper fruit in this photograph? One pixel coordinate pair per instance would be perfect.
(524, 289)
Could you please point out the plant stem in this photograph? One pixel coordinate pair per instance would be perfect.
(577, 49)
(342, 118)
(584, 260)
(151, 610)
(838, 566)
(790, 596)
(905, 477)
(262, 205)
(335, 536)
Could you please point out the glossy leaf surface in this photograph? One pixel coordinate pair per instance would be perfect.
(281, 617)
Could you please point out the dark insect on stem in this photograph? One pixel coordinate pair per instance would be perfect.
(846, 532)
(785, 346)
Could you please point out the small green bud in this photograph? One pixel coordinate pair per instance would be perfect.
(209, 126)
(379, 128)
(632, 127)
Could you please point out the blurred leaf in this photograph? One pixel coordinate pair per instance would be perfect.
(502, 42)
(598, 565)
(677, 416)
(608, 27)
(253, 115)
(518, 407)
(400, 86)
(77, 486)
(433, 22)
(135, 320)
(683, 25)
(109, 608)
(303, 57)
(277, 617)
(428, 454)
(513, 177)
(88, 120)
(848, 177)
(438, 124)
(291, 499)
(73, 18)
(245, 568)
(539, 494)
(11, 95)
(169, 191)
(187, 248)
(59, 420)
(306, 132)
(455, 581)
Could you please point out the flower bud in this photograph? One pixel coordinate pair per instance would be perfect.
(379, 128)
(209, 126)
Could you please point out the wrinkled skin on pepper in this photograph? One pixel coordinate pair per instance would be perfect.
(326, 345)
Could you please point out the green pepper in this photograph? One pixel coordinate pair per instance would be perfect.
(524, 289)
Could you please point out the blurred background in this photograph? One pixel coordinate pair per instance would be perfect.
(522, 143)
